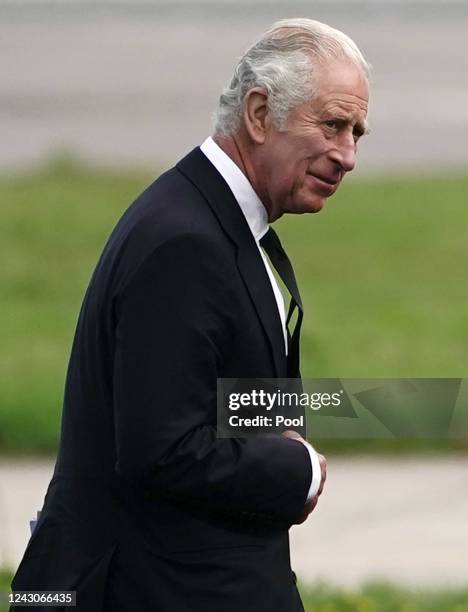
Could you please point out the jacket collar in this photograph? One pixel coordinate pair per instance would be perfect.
(246, 197)
(200, 171)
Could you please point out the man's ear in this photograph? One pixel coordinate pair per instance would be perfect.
(256, 114)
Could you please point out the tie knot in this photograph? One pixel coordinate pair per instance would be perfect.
(272, 245)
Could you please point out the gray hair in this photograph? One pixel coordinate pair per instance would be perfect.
(282, 62)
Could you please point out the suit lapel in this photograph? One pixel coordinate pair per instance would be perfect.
(201, 172)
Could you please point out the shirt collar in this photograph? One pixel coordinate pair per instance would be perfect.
(249, 202)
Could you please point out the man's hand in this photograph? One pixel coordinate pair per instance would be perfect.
(310, 505)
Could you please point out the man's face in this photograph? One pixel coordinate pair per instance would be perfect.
(302, 165)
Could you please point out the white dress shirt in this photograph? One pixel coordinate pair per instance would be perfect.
(257, 219)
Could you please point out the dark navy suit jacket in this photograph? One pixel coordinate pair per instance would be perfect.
(147, 509)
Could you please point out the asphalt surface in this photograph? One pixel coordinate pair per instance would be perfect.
(139, 87)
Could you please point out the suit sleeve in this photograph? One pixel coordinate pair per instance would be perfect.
(174, 320)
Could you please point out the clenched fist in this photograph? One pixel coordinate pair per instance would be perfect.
(310, 505)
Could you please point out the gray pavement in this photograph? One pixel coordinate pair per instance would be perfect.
(399, 519)
(137, 87)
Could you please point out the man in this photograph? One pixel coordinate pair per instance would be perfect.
(148, 510)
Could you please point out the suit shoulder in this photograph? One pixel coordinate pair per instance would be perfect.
(170, 211)
(169, 207)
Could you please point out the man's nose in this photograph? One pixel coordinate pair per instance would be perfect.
(344, 154)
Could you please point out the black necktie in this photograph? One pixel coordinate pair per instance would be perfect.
(277, 255)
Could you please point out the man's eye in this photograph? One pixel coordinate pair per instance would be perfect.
(332, 123)
(357, 135)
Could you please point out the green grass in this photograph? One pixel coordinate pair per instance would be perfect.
(384, 275)
(372, 598)
(53, 225)
(382, 272)
(384, 598)
(5, 580)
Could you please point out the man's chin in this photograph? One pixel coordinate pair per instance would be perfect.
(308, 204)
(314, 205)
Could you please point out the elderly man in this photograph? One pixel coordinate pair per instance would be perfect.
(148, 510)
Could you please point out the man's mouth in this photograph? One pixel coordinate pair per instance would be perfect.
(326, 184)
(328, 180)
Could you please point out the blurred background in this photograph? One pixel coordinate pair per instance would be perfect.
(96, 99)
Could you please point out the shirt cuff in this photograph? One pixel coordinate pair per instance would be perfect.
(316, 471)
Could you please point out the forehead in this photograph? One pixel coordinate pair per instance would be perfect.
(342, 83)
